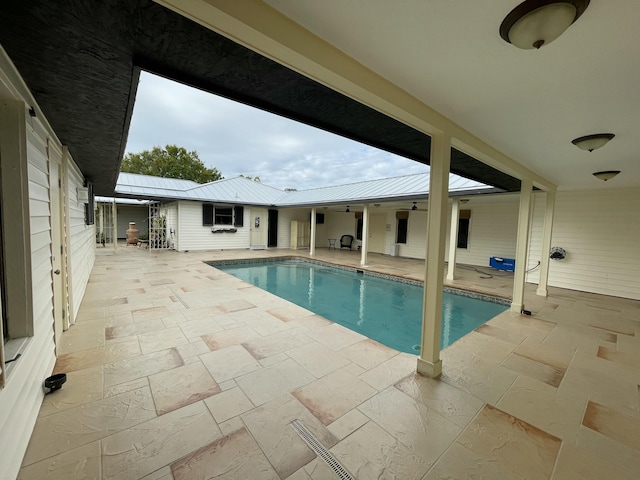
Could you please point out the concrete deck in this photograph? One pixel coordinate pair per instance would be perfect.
(179, 371)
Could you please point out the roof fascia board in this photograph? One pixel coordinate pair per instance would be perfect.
(261, 28)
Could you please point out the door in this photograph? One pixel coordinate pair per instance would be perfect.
(259, 223)
(377, 234)
(56, 249)
(273, 228)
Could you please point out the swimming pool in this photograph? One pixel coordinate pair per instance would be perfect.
(385, 310)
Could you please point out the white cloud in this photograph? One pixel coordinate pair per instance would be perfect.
(237, 139)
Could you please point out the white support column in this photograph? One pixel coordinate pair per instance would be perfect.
(101, 223)
(312, 242)
(522, 245)
(114, 215)
(364, 247)
(453, 239)
(429, 363)
(546, 243)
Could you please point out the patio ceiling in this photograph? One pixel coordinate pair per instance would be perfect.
(81, 59)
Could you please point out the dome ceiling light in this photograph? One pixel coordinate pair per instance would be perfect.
(592, 142)
(607, 175)
(535, 23)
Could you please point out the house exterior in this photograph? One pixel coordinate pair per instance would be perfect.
(492, 112)
(593, 263)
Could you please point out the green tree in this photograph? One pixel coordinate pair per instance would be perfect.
(249, 177)
(170, 162)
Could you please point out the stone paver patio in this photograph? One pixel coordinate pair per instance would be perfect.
(179, 371)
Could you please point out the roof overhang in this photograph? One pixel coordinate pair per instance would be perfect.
(81, 60)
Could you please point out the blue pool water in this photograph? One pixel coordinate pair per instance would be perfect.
(384, 310)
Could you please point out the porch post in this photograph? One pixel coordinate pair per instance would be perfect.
(522, 245)
(429, 363)
(364, 247)
(114, 215)
(101, 222)
(546, 243)
(453, 239)
(312, 242)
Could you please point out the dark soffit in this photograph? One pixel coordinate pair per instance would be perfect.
(81, 60)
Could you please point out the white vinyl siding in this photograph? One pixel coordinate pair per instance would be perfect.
(493, 230)
(195, 236)
(416, 245)
(598, 260)
(82, 239)
(22, 395)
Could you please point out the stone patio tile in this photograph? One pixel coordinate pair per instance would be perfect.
(229, 363)
(236, 456)
(181, 386)
(264, 385)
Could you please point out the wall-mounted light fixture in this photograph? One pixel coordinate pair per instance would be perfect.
(347, 210)
(606, 175)
(535, 23)
(592, 142)
(415, 206)
(464, 200)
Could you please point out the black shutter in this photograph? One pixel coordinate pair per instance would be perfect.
(207, 215)
(238, 216)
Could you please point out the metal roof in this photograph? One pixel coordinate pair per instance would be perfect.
(232, 190)
(244, 191)
(394, 188)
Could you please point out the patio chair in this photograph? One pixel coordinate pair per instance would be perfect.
(346, 241)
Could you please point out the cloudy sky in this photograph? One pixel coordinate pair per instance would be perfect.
(237, 139)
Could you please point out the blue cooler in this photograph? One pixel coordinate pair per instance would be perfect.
(501, 263)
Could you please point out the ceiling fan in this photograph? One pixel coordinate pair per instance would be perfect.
(414, 208)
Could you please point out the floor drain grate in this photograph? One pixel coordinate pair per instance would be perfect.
(315, 445)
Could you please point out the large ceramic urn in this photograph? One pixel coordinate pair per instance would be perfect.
(132, 233)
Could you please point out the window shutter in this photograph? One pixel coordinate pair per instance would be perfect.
(207, 215)
(238, 216)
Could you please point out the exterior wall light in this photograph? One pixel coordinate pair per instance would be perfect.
(592, 142)
(607, 175)
(535, 23)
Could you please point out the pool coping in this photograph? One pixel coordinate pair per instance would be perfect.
(420, 283)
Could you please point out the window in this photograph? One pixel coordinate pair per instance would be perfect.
(402, 226)
(207, 215)
(463, 228)
(223, 216)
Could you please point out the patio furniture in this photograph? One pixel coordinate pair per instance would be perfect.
(332, 243)
(346, 241)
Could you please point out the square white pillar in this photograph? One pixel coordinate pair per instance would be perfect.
(453, 239)
(546, 243)
(364, 247)
(429, 363)
(522, 244)
(312, 242)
